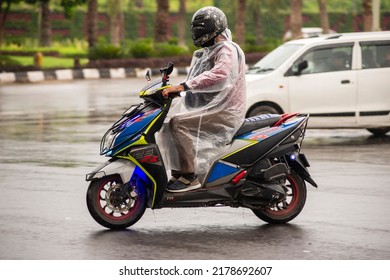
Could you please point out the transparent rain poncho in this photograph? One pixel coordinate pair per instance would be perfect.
(203, 122)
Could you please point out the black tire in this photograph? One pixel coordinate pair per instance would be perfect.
(262, 109)
(111, 211)
(295, 200)
(379, 131)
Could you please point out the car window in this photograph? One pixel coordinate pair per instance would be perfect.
(375, 54)
(327, 59)
(274, 59)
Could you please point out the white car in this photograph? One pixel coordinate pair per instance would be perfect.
(341, 80)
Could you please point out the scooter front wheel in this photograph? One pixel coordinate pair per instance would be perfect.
(290, 207)
(115, 205)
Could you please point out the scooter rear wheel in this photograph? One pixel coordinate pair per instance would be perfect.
(289, 208)
(112, 207)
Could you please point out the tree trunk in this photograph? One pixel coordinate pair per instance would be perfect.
(3, 16)
(161, 22)
(182, 25)
(45, 26)
(367, 15)
(116, 22)
(240, 22)
(296, 19)
(324, 16)
(256, 13)
(92, 18)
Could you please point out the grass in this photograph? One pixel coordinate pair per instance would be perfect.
(68, 49)
(49, 62)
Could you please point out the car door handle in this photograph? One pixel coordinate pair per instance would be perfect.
(345, 82)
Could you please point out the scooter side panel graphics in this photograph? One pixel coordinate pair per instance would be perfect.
(150, 158)
(266, 133)
(148, 178)
(141, 139)
(265, 141)
(135, 125)
(220, 170)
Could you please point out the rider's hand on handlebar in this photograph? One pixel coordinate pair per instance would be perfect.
(172, 89)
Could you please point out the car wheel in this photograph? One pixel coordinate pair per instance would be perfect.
(379, 131)
(262, 109)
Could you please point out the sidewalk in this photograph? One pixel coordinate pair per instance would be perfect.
(81, 74)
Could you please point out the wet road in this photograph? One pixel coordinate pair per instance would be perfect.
(49, 139)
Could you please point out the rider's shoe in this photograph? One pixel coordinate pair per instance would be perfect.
(172, 180)
(175, 175)
(182, 185)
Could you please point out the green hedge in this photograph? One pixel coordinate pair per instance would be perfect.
(106, 52)
(7, 61)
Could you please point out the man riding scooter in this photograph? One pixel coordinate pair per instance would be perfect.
(254, 163)
(207, 118)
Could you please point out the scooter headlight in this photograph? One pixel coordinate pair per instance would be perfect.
(108, 142)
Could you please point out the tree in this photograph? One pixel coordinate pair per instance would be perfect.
(324, 16)
(182, 25)
(92, 18)
(45, 24)
(139, 4)
(296, 19)
(44, 21)
(5, 6)
(116, 22)
(255, 8)
(240, 22)
(161, 21)
(70, 5)
(367, 15)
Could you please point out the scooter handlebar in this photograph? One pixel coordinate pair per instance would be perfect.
(178, 94)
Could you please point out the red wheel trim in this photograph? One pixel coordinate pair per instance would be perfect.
(98, 199)
(292, 203)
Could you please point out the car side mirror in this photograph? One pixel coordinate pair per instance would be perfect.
(299, 67)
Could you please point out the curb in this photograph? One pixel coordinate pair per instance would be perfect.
(82, 74)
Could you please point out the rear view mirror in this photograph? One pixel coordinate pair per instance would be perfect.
(148, 76)
(165, 72)
(170, 68)
(299, 67)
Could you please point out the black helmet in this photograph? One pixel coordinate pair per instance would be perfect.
(207, 23)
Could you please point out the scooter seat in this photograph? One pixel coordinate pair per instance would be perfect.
(257, 122)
